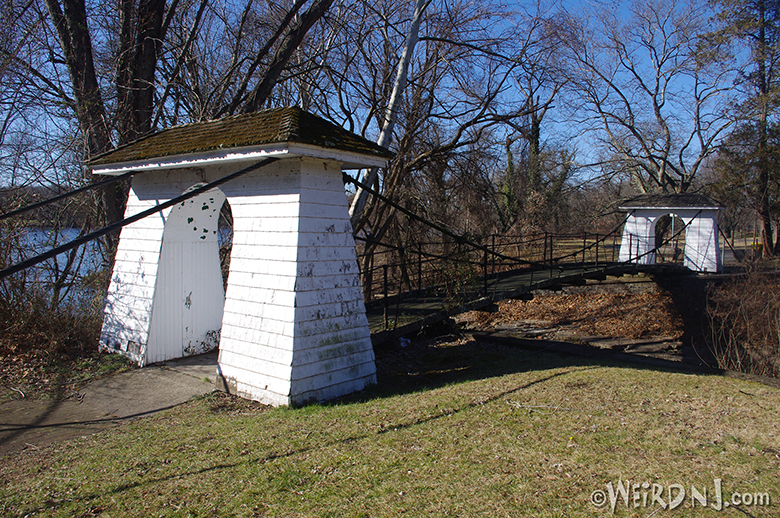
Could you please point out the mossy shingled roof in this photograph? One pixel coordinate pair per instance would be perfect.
(273, 126)
(681, 200)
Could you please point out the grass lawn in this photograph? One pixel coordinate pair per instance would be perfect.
(454, 428)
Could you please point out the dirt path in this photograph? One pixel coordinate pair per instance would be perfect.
(32, 423)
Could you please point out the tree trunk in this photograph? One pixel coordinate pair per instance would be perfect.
(283, 54)
(763, 138)
(70, 22)
(140, 38)
(391, 114)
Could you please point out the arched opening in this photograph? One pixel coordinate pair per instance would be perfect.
(670, 239)
(225, 241)
(189, 295)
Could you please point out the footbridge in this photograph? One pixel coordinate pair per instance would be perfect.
(402, 299)
(407, 288)
(302, 298)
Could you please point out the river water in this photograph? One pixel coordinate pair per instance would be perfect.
(40, 278)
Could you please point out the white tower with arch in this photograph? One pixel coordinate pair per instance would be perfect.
(291, 326)
(699, 216)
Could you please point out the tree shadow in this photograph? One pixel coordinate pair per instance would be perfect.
(426, 363)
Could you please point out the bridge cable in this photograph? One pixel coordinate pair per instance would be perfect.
(588, 247)
(436, 226)
(64, 195)
(463, 240)
(132, 219)
(407, 249)
(726, 240)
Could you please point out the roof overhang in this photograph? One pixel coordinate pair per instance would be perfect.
(669, 208)
(347, 159)
(668, 202)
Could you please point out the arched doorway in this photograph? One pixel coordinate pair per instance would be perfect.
(292, 328)
(655, 221)
(670, 239)
(189, 293)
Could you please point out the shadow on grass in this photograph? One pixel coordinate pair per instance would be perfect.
(433, 363)
(423, 365)
(248, 460)
(427, 363)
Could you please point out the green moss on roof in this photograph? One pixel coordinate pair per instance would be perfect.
(274, 126)
(689, 200)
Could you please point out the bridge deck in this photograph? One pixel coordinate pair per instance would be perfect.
(414, 311)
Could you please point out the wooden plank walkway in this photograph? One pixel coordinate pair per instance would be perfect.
(416, 310)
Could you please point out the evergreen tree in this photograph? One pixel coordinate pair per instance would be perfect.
(756, 25)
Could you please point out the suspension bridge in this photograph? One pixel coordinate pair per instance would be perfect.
(422, 284)
(400, 304)
(297, 322)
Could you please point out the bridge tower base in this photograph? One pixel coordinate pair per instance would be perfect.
(291, 326)
(698, 214)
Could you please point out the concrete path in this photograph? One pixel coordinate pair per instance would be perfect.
(105, 403)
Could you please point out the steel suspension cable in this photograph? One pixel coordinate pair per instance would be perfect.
(603, 238)
(62, 196)
(132, 219)
(436, 226)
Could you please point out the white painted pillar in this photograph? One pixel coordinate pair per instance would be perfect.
(294, 328)
(128, 308)
(165, 297)
(638, 239)
(702, 250)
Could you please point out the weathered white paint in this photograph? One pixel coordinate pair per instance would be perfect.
(187, 310)
(701, 252)
(128, 308)
(638, 239)
(222, 157)
(162, 265)
(292, 328)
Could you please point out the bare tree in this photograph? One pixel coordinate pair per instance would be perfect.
(77, 79)
(125, 74)
(462, 94)
(530, 187)
(393, 104)
(654, 105)
(221, 61)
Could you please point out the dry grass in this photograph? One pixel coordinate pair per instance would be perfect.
(454, 428)
(50, 353)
